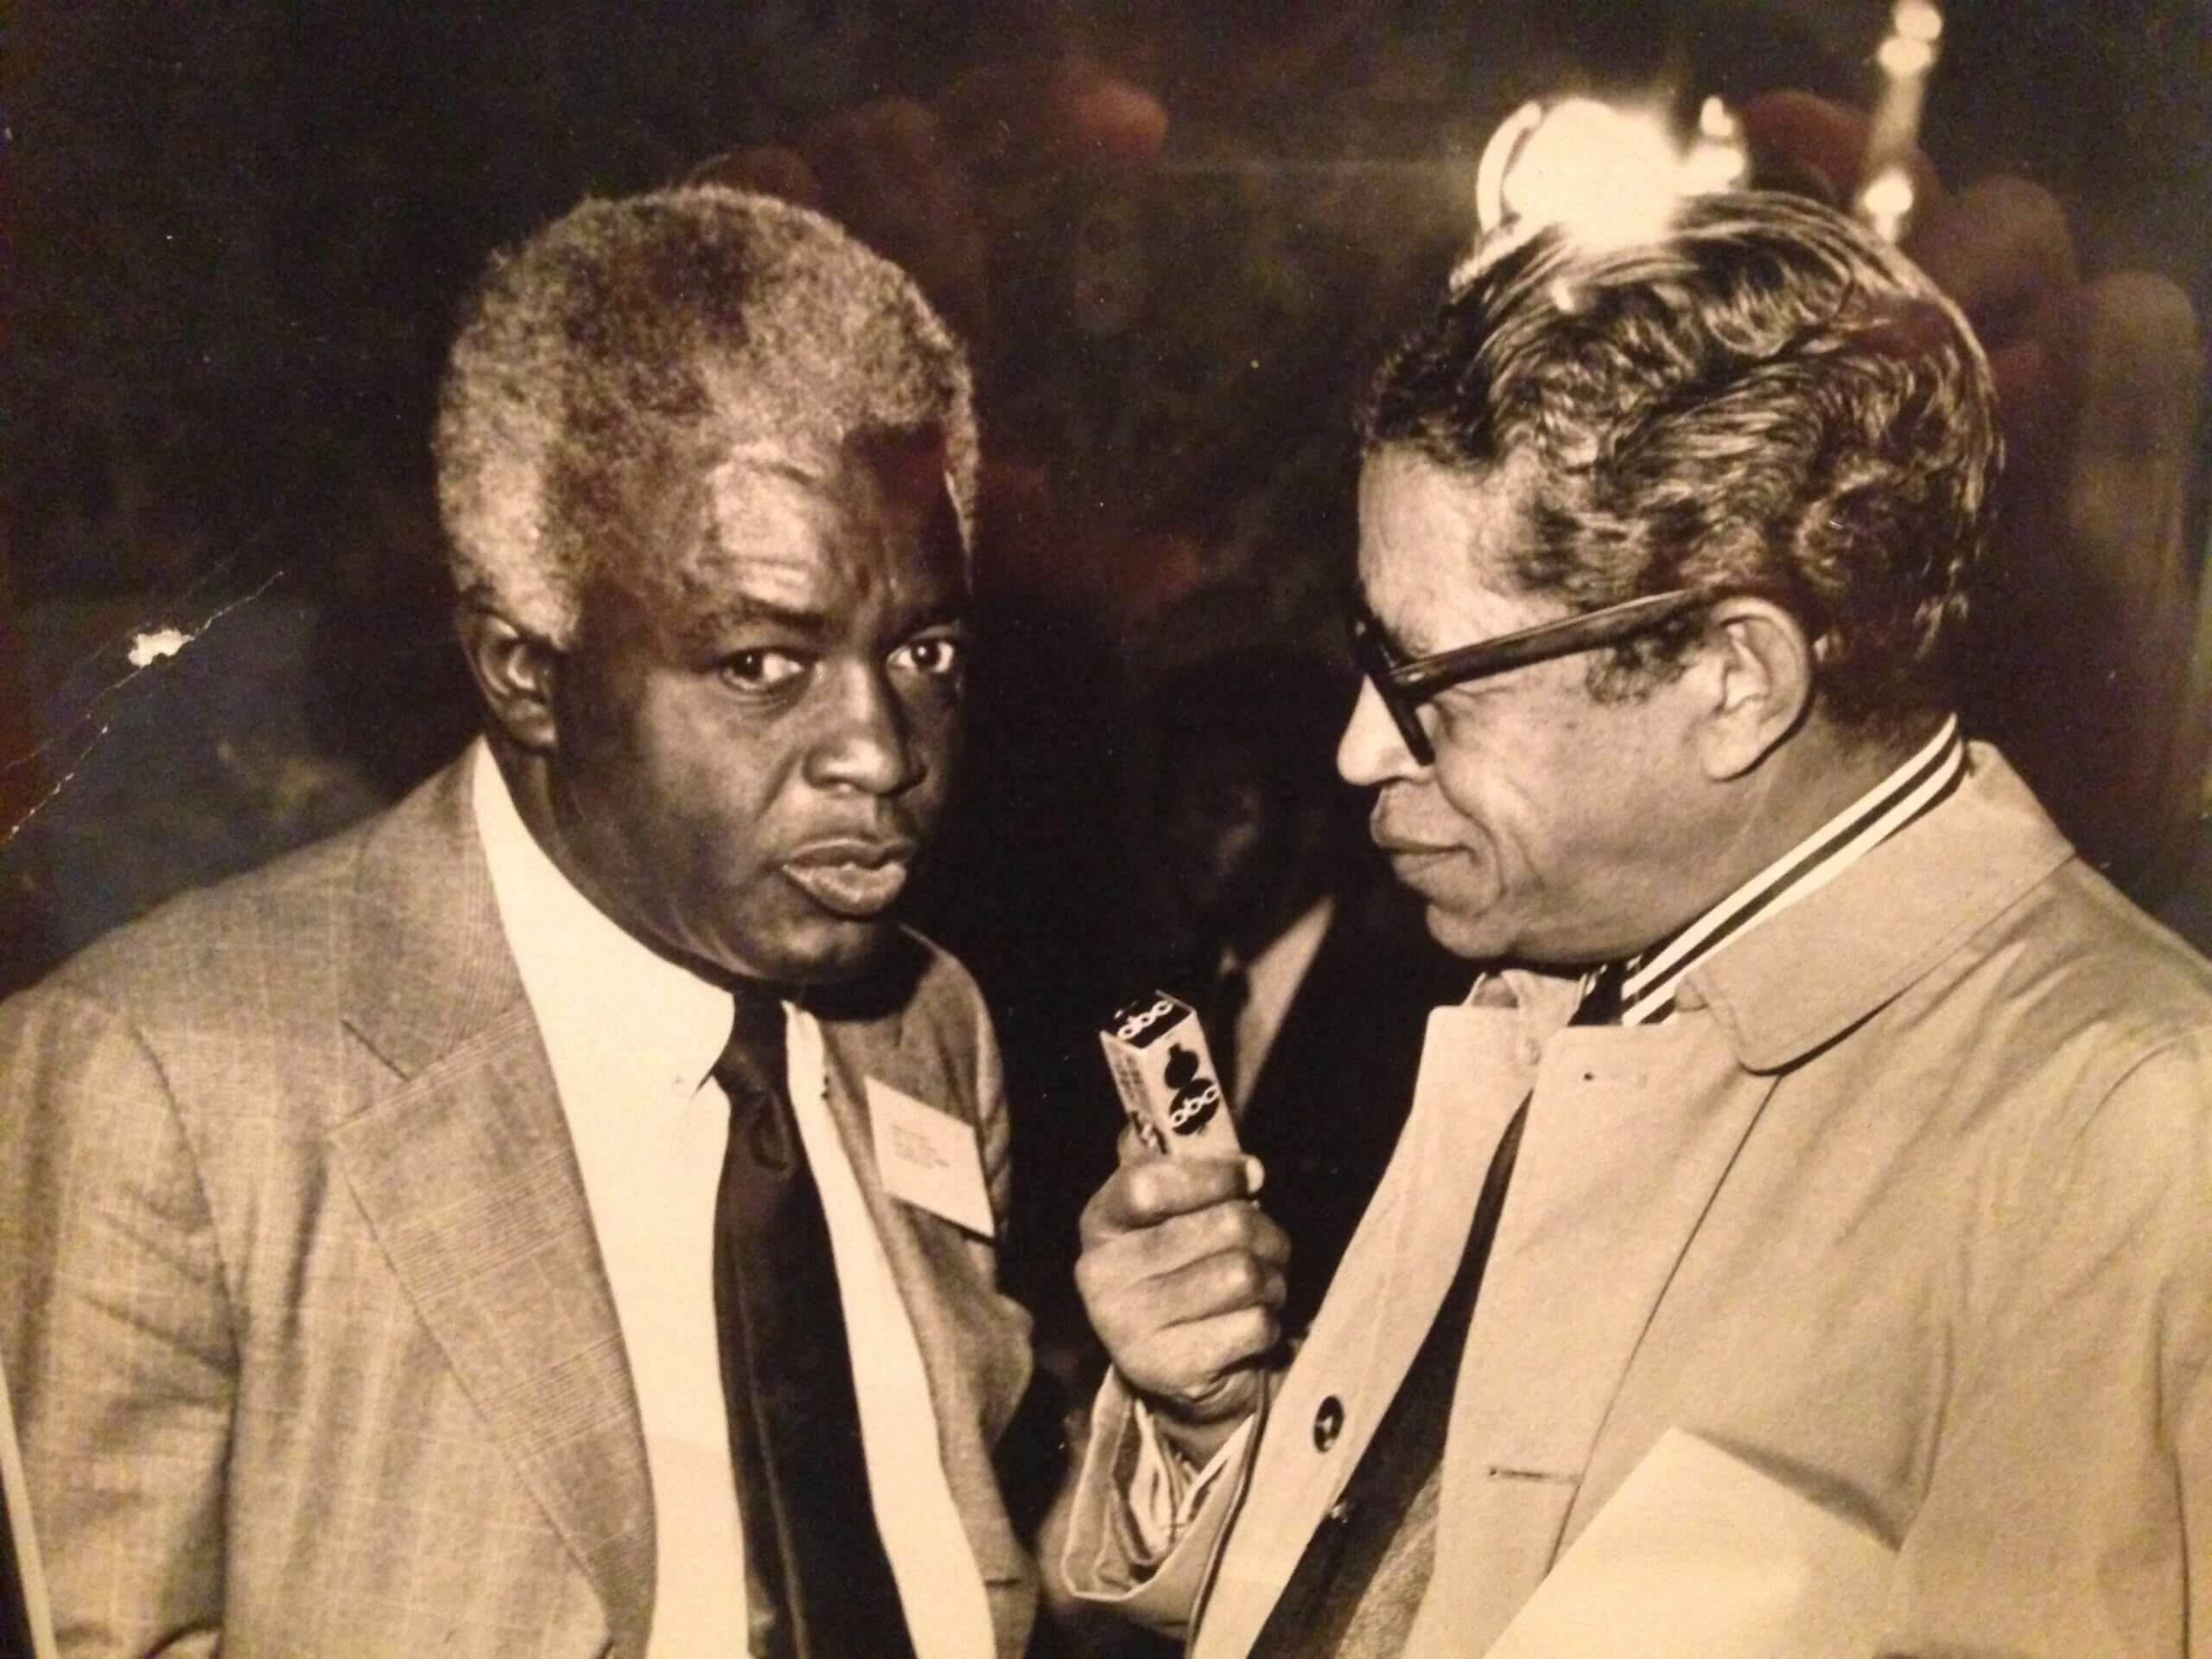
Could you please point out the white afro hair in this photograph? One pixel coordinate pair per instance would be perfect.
(681, 326)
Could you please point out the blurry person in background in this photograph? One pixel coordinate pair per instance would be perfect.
(1313, 1002)
(1822, 1157)
(556, 1216)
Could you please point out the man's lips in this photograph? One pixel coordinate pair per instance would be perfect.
(1396, 849)
(853, 876)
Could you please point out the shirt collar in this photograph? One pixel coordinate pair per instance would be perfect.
(1907, 906)
(603, 1002)
(1275, 972)
(1930, 776)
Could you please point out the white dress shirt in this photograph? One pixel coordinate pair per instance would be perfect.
(631, 1039)
(1272, 978)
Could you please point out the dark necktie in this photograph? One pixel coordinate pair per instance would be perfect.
(1340, 1559)
(1232, 989)
(819, 1584)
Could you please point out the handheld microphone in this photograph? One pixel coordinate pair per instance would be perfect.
(1170, 1091)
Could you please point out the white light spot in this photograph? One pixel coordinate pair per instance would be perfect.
(1712, 167)
(1887, 200)
(1606, 177)
(1904, 58)
(1497, 155)
(1918, 20)
(1890, 192)
(151, 647)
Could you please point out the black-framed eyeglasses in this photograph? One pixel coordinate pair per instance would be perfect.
(1405, 683)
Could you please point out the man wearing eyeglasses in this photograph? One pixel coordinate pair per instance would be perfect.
(1819, 1167)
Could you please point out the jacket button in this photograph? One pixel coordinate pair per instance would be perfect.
(1328, 1423)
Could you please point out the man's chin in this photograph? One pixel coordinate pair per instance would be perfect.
(1461, 935)
(836, 952)
(822, 951)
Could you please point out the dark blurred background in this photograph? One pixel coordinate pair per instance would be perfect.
(237, 235)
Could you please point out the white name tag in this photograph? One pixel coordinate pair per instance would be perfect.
(929, 1159)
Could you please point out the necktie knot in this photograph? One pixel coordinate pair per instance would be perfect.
(1232, 987)
(750, 1071)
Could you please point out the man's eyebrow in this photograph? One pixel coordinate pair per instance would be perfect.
(1397, 644)
(747, 611)
(954, 608)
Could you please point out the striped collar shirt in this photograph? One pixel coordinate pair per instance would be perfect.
(1915, 788)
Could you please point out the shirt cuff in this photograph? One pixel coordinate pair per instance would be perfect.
(1163, 1492)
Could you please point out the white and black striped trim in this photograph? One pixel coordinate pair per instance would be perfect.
(1915, 787)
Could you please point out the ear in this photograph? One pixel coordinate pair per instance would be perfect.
(1762, 664)
(514, 670)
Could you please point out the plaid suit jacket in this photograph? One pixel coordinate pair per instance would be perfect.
(312, 1346)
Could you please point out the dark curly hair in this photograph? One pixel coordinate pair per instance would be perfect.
(1769, 399)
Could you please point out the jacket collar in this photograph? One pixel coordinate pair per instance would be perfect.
(428, 964)
(1786, 988)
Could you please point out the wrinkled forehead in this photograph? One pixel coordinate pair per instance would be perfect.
(1438, 545)
(872, 508)
(858, 541)
(897, 476)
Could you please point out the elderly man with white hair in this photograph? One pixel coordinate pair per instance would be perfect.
(556, 1216)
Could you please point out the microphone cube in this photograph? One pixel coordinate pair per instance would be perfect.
(1157, 1051)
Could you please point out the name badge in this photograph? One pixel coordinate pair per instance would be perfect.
(929, 1158)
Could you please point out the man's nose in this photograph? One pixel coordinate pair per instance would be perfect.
(868, 743)
(1372, 750)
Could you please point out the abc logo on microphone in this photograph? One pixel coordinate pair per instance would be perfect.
(1157, 1053)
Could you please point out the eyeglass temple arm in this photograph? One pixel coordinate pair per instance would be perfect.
(1560, 639)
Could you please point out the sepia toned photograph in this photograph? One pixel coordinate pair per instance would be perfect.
(1100, 829)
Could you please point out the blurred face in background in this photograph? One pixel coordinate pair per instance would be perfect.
(1230, 839)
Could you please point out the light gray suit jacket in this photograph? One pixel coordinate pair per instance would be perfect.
(312, 1347)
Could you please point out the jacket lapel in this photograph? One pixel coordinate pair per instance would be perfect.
(461, 1162)
(1385, 1296)
(1616, 1169)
